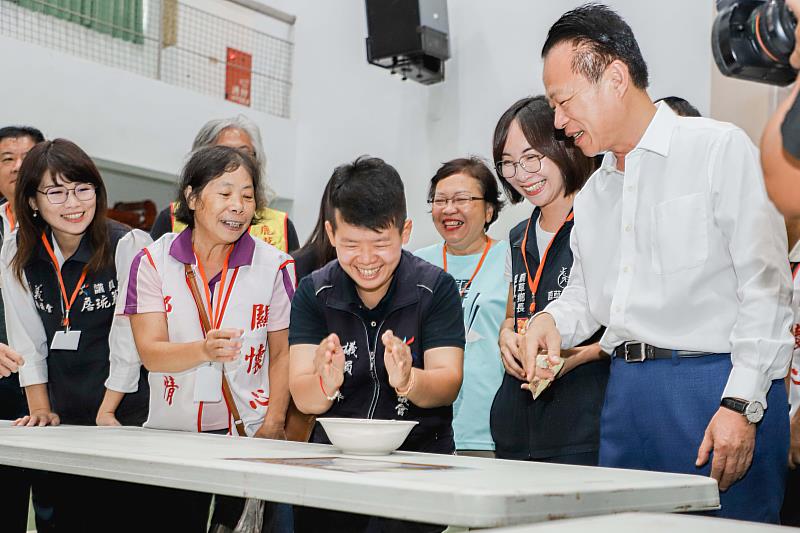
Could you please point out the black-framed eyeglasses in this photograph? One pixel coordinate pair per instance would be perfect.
(458, 201)
(529, 163)
(59, 194)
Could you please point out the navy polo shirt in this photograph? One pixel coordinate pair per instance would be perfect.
(422, 305)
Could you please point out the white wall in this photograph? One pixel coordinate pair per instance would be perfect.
(122, 117)
(344, 107)
(341, 106)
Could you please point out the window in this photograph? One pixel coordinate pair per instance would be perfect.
(122, 19)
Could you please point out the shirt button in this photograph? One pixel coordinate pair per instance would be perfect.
(626, 269)
(628, 227)
(373, 323)
(616, 309)
(629, 188)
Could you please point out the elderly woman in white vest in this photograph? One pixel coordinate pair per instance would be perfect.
(209, 308)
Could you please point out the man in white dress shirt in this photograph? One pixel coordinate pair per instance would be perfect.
(679, 253)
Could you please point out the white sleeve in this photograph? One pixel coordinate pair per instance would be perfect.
(570, 311)
(761, 342)
(508, 271)
(124, 359)
(26, 332)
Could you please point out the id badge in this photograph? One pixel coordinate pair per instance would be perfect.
(208, 384)
(66, 340)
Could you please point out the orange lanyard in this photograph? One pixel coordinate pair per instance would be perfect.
(67, 303)
(10, 216)
(477, 269)
(533, 285)
(222, 303)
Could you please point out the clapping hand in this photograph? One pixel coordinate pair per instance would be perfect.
(398, 361)
(329, 363)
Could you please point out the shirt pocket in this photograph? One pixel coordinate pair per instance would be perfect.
(680, 234)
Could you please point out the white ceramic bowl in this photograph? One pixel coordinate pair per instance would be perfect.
(358, 436)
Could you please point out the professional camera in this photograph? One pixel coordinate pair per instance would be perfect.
(753, 39)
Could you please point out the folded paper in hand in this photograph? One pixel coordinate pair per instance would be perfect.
(543, 361)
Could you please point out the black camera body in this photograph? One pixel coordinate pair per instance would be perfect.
(753, 40)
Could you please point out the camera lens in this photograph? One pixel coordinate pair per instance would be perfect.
(753, 40)
(772, 25)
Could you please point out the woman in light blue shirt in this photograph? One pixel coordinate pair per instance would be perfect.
(465, 201)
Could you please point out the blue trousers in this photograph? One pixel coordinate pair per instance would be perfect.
(656, 412)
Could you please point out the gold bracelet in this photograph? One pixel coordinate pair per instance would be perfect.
(409, 386)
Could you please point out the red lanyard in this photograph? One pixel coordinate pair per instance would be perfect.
(222, 303)
(533, 285)
(67, 303)
(10, 216)
(477, 269)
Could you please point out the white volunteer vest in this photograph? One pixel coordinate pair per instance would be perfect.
(794, 373)
(172, 403)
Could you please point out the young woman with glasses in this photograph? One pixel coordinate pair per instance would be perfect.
(562, 423)
(61, 272)
(465, 201)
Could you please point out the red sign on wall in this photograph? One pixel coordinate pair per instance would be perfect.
(238, 76)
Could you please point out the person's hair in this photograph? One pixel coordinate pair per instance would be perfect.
(600, 36)
(209, 134)
(318, 243)
(476, 169)
(207, 164)
(681, 106)
(65, 162)
(16, 132)
(368, 193)
(535, 119)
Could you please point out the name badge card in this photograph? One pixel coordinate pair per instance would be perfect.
(208, 384)
(66, 340)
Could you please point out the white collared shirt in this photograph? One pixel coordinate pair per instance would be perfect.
(683, 251)
(794, 371)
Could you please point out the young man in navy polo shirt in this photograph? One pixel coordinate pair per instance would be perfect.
(376, 333)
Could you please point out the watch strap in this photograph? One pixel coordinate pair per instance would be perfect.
(735, 404)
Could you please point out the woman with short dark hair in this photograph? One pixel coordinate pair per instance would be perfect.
(209, 308)
(465, 201)
(559, 421)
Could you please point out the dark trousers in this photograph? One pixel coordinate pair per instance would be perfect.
(84, 504)
(16, 482)
(582, 459)
(655, 415)
(16, 491)
(307, 520)
(312, 520)
(790, 513)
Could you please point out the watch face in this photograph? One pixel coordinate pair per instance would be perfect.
(754, 412)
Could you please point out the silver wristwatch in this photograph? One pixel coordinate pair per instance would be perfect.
(752, 411)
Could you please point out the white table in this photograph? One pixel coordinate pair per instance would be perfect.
(469, 492)
(646, 522)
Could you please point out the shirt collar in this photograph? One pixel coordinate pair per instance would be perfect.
(658, 134)
(82, 255)
(656, 137)
(344, 295)
(242, 254)
(794, 254)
